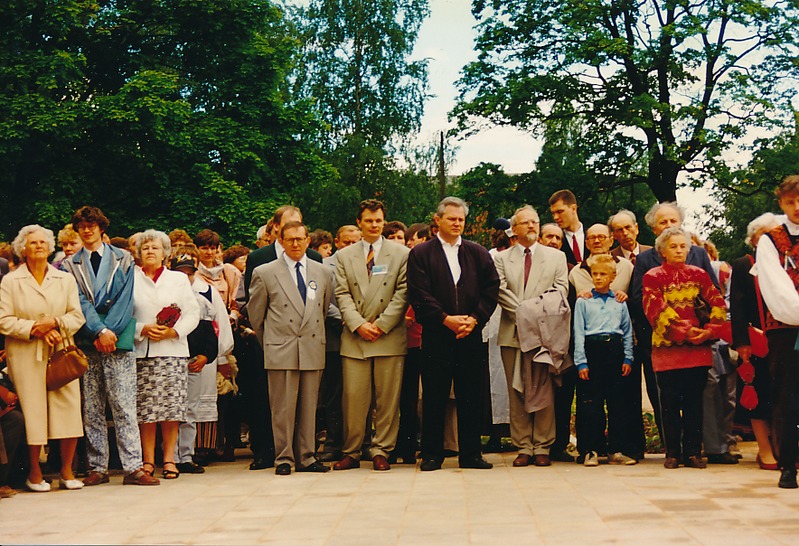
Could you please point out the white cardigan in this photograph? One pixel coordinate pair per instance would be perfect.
(150, 297)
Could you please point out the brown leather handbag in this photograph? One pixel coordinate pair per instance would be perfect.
(66, 364)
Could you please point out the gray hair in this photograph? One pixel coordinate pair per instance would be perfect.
(758, 224)
(552, 224)
(18, 244)
(452, 202)
(629, 213)
(667, 234)
(260, 233)
(154, 235)
(650, 216)
(520, 209)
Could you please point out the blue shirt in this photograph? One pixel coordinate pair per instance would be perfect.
(601, 314)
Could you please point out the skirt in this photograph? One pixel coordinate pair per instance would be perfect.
(161, 389)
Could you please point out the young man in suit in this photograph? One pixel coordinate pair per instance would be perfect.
(287, 308)
(526, 270)
(452, 286)
(371, 293)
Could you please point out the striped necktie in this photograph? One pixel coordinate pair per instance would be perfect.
(370, 260)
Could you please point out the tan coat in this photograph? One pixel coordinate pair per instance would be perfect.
(53, 414)
(381, 299)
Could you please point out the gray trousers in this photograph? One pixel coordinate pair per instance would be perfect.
(719, 403)
(293, 395)
(111, 378)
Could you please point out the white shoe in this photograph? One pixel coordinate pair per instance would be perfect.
(42, 487)
(621, 458)
(70, 484)
(592, 459)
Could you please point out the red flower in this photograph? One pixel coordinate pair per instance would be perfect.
(168, 316)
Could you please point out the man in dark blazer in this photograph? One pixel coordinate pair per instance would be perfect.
(290, 298)
(453, 287)
(252, 376)
(624, 227)
(659, 217)
(563, 206)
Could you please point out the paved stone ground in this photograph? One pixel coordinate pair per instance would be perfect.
(562, 504)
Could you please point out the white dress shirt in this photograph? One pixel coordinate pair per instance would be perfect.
(451, 251)
(777, 288)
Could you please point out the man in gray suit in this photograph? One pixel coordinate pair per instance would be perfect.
(526, 271)
(371, 291)
(289, 298)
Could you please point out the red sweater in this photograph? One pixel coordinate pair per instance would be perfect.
(669, 292)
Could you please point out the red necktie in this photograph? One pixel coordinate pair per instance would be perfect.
(576, 249)
(632, 258)
(528, 262)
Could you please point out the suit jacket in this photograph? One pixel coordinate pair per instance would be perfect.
(292, 333)
(567, 249)
(264, 255)
(619, 253)
(548, 271)
(433, 295)
(333, 324)
(381, 299)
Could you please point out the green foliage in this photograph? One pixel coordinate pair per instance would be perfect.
(662, 88)
(164, 114)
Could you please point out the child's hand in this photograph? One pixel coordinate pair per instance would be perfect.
(626, 370)
(583, 374)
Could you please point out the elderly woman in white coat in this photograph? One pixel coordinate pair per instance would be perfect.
(162, 349)
(39, 306)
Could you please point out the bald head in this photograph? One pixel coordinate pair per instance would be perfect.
(598, 239)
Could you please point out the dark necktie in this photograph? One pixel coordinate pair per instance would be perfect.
(576, 249)
(632, 258)
(528, 263)
(301, 282)
(370, 260)
(95, 260)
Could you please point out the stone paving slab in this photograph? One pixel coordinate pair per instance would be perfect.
(561, 504)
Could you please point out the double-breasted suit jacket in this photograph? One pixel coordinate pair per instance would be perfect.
(291, 333)
(381, 299)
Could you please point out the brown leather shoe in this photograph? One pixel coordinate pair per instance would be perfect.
(347, 463)
(140, 477)
(522, 459)
(95, 478)
(380, 463)
(542, 460)
(671, 462)
(694, 461)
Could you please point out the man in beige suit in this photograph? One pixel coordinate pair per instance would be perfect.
(526, 271)
(289, 298)
(371, 291)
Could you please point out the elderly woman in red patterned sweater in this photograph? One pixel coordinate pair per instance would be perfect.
(686, 311)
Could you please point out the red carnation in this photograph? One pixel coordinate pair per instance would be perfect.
(168, 316)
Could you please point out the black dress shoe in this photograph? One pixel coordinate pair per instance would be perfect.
(788, 479)
(561, 456)
(721, 458)
(314, 467)
(190, 468)
(331, 456)
(430, 464)
(479, 463)
(283, 469)
(260, 464)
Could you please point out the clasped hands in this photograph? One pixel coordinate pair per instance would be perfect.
(462, 325)
(158, 332)
(46, 328)
(369, 331)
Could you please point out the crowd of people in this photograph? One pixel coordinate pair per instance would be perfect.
(313, 347)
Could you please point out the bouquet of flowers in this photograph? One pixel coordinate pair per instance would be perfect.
(168, 316)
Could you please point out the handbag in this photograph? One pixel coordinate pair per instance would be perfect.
(125, 337)
(66, 364)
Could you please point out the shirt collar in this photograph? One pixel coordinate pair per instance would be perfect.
(293, 264)
(609, 294)
(532, 248)
(573, 233)
(376, 246)
(446, 244)
(100, 251)
(793, 229)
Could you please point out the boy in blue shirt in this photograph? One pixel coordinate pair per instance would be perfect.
(603, 354)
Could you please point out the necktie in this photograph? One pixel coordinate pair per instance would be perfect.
(528, 262)
(95, 260)
(576, 249)
(301, 282)
(370, 260)
(632, 258)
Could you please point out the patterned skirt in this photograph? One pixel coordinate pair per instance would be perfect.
(161, 389)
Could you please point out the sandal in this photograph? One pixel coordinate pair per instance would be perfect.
(148, 468)
(170, 474)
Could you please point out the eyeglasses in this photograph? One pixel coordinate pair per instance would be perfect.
(596, 238)
(294, 240)
(527, 223)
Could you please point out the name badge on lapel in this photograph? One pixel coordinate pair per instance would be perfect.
(311, 295)
(379, 269)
